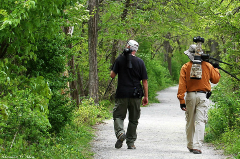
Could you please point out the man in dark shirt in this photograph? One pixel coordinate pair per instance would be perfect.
(129, 94)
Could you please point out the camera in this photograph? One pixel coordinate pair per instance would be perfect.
(137, 93)
(196, 69)
(198, 39)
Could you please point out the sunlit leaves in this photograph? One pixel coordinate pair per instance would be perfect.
(77, 14)
(4, 111)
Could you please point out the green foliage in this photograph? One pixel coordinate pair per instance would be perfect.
(51, 63)
(217, 123)
(60, 111)
(33, 59)
(51, 57)
(225, 113)
(27, 113)
(72, 142)
(89, 113)
(33, 56)
(178, 59)
(223, 125)
(158, 76)
(231, 140)
(24, 22)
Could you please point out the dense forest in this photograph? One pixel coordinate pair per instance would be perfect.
(55, 60)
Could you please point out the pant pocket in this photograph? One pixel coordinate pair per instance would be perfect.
(187, 115)
(205, 116)
(204, 103)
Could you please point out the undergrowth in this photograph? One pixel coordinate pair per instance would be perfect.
(73, 141)
(223, 128)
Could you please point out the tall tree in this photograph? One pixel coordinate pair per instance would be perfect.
(92, 47)
(168, 52)
(71, 63)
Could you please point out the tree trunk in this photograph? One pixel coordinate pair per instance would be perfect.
(168, 52)
(92, 47)
(214, 49)
(80, 82)
(114, 51)
(73, 84)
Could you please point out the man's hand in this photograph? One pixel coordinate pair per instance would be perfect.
(183, 107)
(112, 74)
(145, 101)
(215, 65)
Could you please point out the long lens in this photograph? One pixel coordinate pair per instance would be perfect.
(205, 57)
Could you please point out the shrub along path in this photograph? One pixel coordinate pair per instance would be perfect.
(161, 134)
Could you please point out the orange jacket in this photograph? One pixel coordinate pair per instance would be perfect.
(209, 73)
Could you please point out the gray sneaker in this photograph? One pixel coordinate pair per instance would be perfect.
(196, 151)
(132, 147)
(120, 140)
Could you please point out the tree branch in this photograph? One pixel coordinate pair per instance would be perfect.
(13, 139)
(125, 11)
(236, 10)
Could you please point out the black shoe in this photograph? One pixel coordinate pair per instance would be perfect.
(190, 150)
(132, 147)
(120, 140)
(196, 151)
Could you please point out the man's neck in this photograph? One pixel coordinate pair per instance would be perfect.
(133, 53)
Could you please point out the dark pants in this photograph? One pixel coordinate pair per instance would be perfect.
(119, 114)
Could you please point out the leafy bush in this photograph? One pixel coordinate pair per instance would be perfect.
(73, 141)
(26, 119)
(159, 78)
(158, 75)
(224, 118)
(51, 63)
(31, 102)
(90, 113)
(231, 140)
(225, 113)
(217, 122)
(60, 111)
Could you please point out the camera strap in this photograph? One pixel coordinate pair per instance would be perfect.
(129, 74)
(139, 90)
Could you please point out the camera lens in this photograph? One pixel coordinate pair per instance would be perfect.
(198, 39)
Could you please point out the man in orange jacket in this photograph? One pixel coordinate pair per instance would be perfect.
(196, 103)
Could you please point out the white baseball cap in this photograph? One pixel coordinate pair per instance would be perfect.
(133, 45)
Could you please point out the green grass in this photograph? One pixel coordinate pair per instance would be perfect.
(73, 142)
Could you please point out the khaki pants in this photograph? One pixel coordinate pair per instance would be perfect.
(196, 117)
(122, 105)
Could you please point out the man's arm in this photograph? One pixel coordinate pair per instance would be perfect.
(215, 75)
(182, 87)
(145, 88)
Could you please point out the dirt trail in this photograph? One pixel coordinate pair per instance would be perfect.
(161, 134)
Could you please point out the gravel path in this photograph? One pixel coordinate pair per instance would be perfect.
(161, 134)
